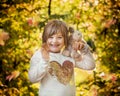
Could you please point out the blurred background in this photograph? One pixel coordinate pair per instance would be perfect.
(21, 26)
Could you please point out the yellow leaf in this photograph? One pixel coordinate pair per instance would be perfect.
(2, 42)
(13, 75)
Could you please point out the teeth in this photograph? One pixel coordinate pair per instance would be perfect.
(54, 45)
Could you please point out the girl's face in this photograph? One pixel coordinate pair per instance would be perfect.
(55, 42)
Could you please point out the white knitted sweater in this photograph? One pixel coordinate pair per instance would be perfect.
(56, 77)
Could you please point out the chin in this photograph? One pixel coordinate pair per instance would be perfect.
(55, 51)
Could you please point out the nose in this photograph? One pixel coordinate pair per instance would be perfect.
(54, 39)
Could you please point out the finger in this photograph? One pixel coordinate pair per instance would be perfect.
(73, 46)
(76, 45)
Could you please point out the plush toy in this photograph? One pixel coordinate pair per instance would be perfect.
(75, 36)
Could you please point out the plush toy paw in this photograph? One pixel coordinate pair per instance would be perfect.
(66, 53)
(77, 56)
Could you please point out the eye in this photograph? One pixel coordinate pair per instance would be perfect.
(60, 37)
(51, 37)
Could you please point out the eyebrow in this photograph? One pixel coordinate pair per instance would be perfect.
(60, 35)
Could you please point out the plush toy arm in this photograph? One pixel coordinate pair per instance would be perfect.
(87, 61)
(85, 49)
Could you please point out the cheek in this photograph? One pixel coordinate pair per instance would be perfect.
(63, 42)
(48, 40)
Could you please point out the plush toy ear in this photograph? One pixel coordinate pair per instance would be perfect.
(71, 30)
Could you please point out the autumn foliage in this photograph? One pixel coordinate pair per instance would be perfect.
(21, 26)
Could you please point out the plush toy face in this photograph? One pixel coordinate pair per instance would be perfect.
(77, 36)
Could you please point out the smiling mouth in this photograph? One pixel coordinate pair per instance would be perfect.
(54, 45)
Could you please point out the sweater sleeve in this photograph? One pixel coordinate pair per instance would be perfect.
(87, 62)
(38, 67)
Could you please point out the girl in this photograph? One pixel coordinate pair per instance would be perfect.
(56, 72)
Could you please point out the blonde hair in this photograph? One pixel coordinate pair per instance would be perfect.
(53, 27)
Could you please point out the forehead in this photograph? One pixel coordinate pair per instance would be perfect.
(56, 33)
